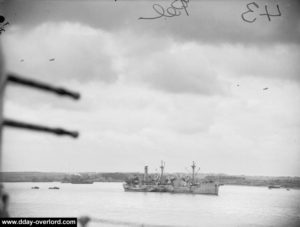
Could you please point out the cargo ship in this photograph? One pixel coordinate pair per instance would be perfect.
(187, 185)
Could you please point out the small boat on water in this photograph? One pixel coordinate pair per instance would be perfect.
(35, 187)
(274, 186)
(53, 187)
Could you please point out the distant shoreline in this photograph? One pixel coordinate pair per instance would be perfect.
(285, 182)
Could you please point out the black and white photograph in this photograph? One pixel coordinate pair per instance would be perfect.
(150, 113)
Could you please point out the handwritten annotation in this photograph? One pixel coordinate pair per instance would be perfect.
(175, 9)
(252, 7)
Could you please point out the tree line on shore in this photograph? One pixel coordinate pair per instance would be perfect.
(289, 182)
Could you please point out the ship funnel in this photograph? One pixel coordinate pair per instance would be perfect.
(146, 174)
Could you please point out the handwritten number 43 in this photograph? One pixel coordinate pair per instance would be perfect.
(246, 16)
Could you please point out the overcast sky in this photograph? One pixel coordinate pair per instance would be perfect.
(180, 89)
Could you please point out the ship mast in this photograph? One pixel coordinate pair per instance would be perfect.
(193, 176)
(162, 166)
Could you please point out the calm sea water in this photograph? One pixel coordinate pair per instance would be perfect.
(235, 205)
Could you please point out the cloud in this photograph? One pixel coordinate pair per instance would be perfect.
(97, 55)
(278, 61)
(208, 69)
(129, 126)
(79, 52)
(176, 70)
(159, 63)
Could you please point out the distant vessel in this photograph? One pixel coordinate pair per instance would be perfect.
(171, 184)
(82, 182)
(77, 179)
(35, 187)
(274, 186)
(53, 187)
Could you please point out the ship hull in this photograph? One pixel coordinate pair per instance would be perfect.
(208, 189)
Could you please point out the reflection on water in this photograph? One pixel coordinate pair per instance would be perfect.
(235, 205)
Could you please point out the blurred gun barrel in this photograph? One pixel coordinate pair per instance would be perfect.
(43, 86)
(57, 131)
